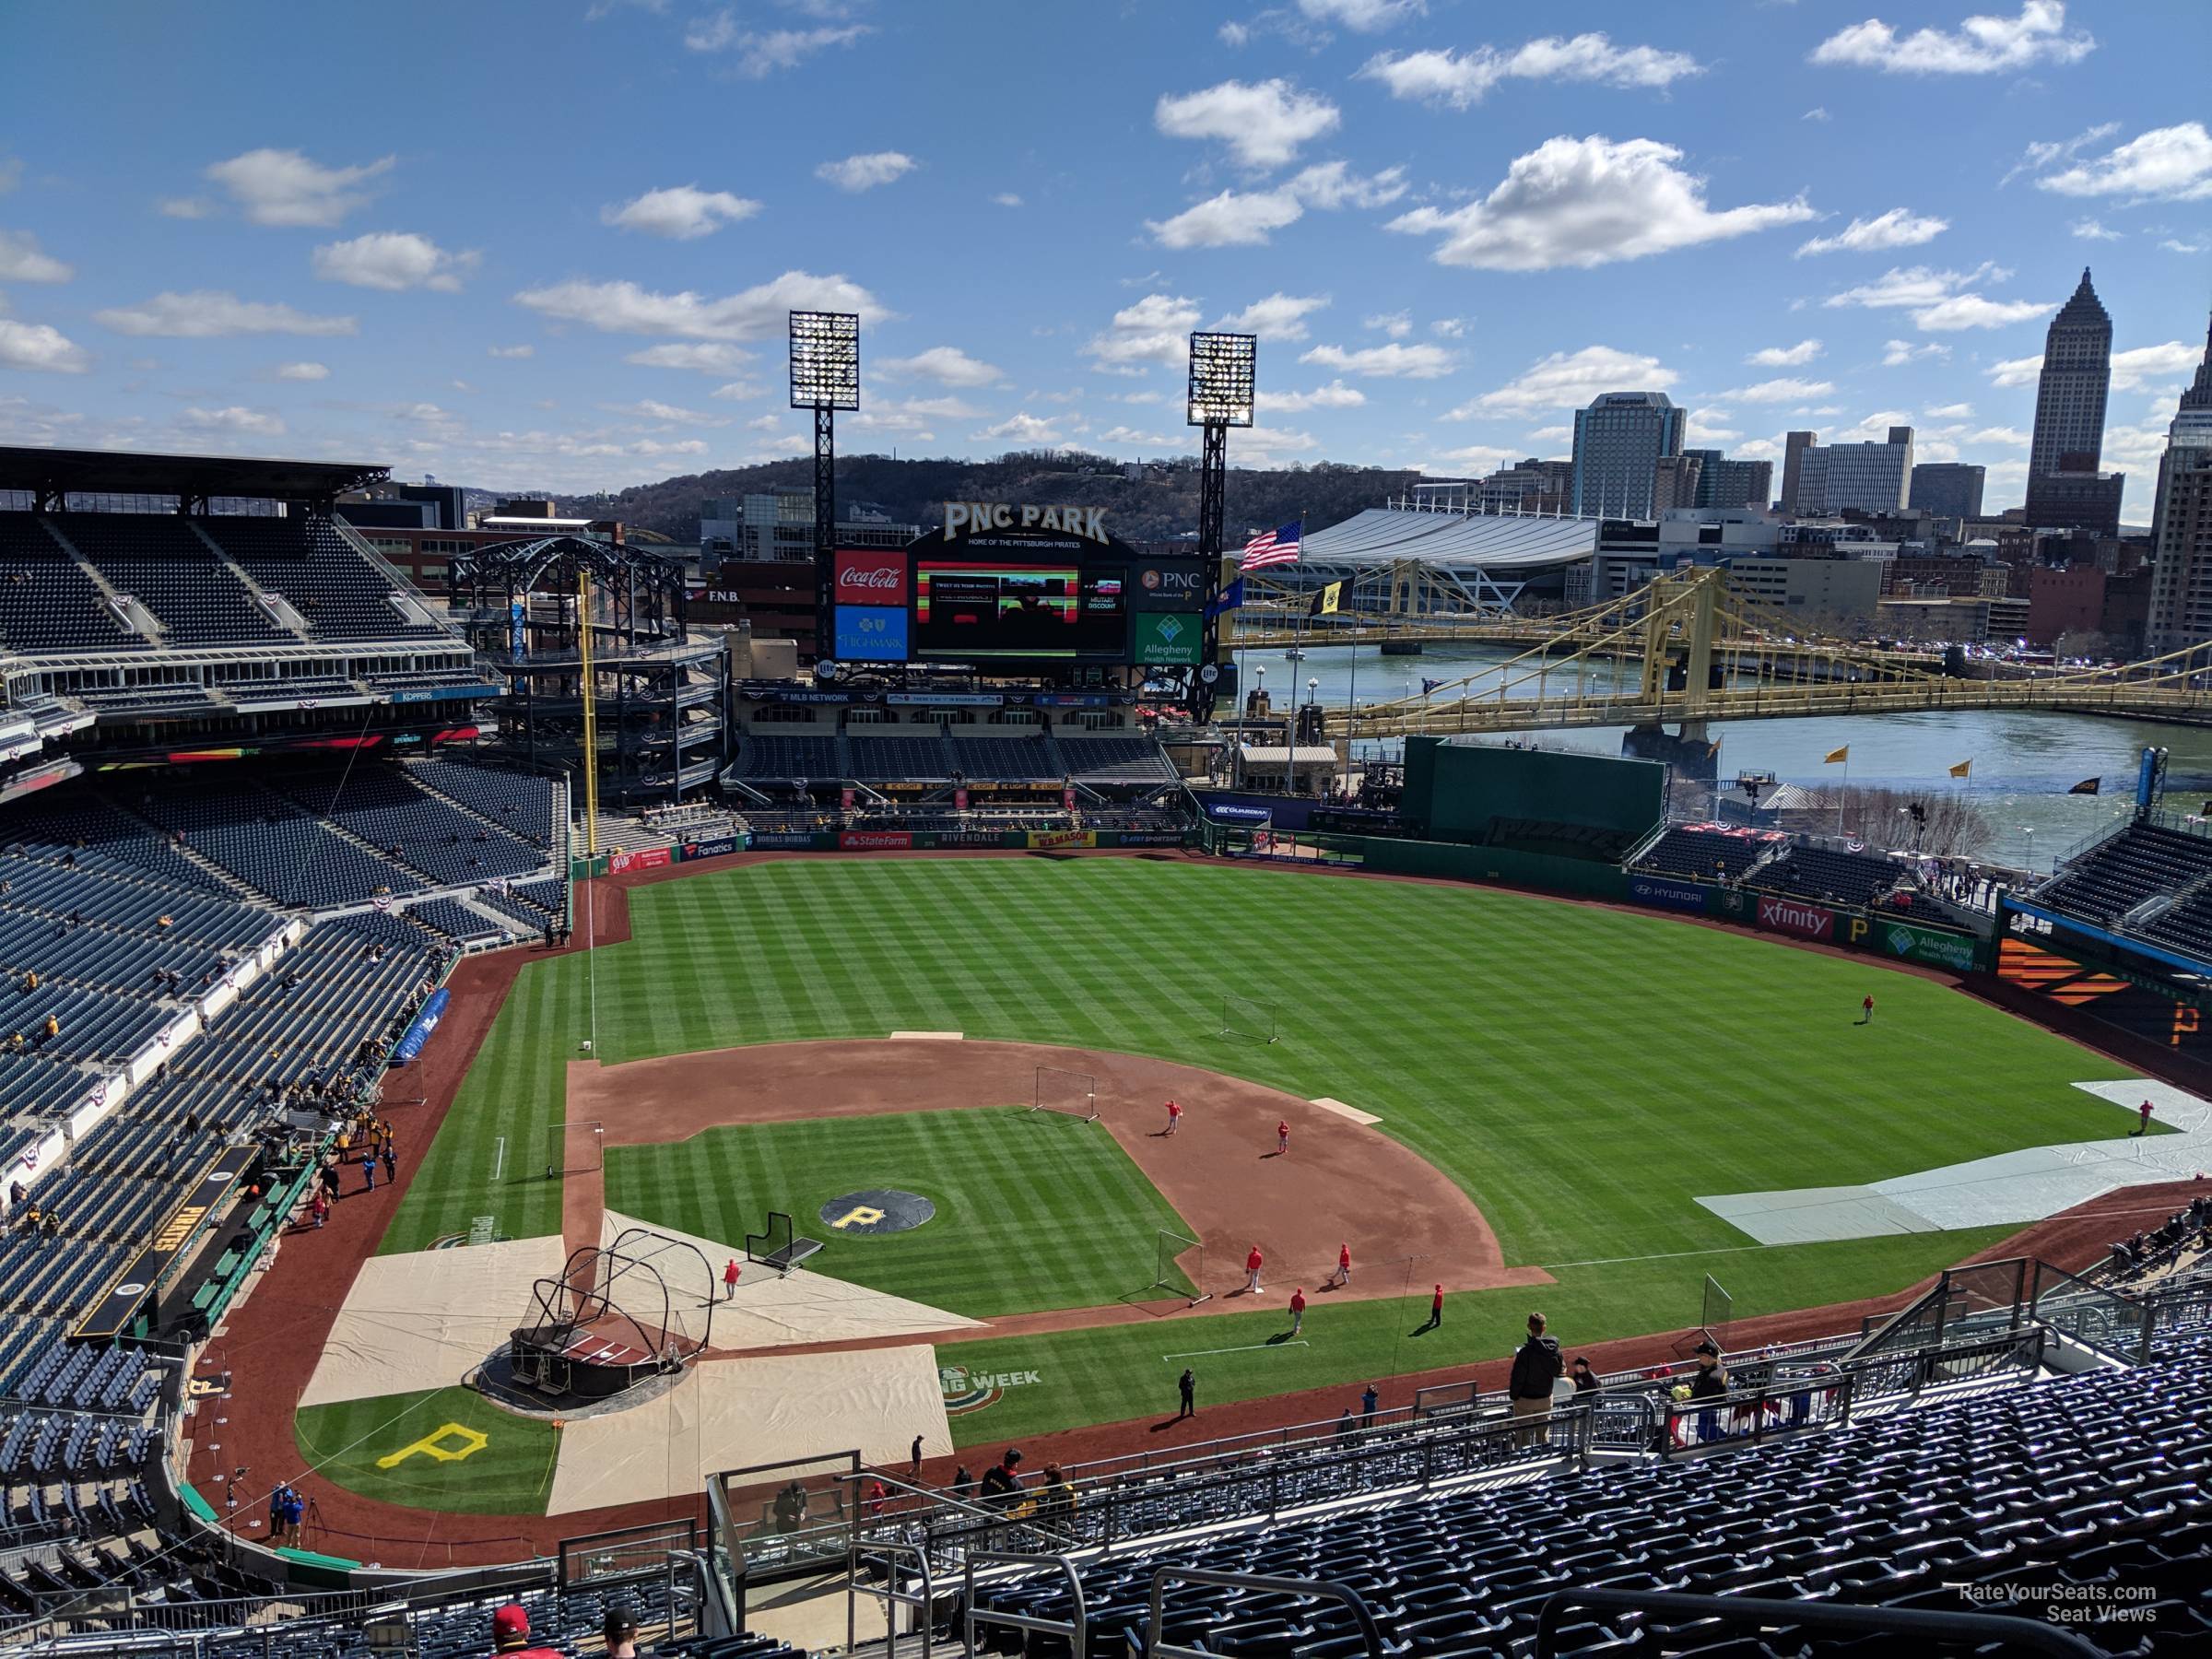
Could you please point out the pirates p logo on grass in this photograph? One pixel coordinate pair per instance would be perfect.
(877, 1210)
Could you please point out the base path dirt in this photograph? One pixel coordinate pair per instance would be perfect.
(1341, 1183)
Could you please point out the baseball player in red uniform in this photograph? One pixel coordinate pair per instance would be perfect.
(1174, 1116)
(1436, 1308)
(1343, 1275)
(1298, 1310)
(1252, 1270)
(1282, 1135)
(2144, 1127)
(729, 1279)
(1867, 1010)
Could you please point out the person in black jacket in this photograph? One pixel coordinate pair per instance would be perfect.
(1537, 1365)
(1711, 1383)
(1002, 1480)
(1585, 1380)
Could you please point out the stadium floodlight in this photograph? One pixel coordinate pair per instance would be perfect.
(825, 359)
(1221, 379)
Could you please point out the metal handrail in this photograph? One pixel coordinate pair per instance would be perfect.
(892, 1596)
(1769, 1613)
(1324, 1589)
(1076, 1630)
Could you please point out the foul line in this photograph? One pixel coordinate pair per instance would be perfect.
(1246, 1348)
(1664, 1255)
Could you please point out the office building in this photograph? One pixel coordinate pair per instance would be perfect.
(1675, 482)
(2181, 584)
(1723, 483)
(1861, 477)
(1794, 445)
(777, 525)
(1833, 591)
(1947, 488)
(2070, 392)
(1619, 443)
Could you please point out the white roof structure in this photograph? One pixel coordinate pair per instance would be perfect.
(1474, 541)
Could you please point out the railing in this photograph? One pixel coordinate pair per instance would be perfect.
(1917, 1631)
(1371, 1634)
(1750, 1418)
(886, 1556)
(2116, 1325)
(1074, 1632)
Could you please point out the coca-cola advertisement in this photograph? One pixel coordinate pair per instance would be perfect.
(869, 576)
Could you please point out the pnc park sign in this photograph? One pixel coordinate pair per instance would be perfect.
(972, 518)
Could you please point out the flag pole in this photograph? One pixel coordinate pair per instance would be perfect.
(1351, 695)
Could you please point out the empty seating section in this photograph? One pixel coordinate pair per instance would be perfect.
(1710, 852)
(305, 689)
(1853, 878)
(1115, 759)
(520, 804)
(314, 570)
(777, 756)
(2187, 926)
(382, 804)
(273, 845)
(2099, 1478)
(1011, 760)
(899, 759)
(96, 837)
(162, 562)
(455, 921)
(48, 602)
(2140, 862)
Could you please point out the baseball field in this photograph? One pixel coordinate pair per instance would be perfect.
(1574, 1077)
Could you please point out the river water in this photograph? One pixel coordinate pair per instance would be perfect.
(2023, 763)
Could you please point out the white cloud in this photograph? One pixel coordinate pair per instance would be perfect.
(653, 408)
(2042, 153)
(212, 313)
(1154, 330)
(756, 313)
(2012, 436)
(1264, 445)
(1334, 395)
(760, 55)
(1896, 354)
(1007, 198)
(1941, 301)
(1972, 311)
(1450, 328)
(736, 391)
(764, 423)
(856, 174)
(185, 207)
(511, 351)
(2196, 244)
(1898, 228)
(1140, 398)
(2088, 229)
(1707, 427)
(283, 187)
(1233, 35)
(2145, 365)
(1398, 325)
(1423, 362)
(1460, 80)
(394, 261)
(1785, 357)
(1128, 437)
(1875, 429)
(1815, 113)
(1278, 317)
(1552, 434)
(1265, 123)
(680, 212)
(1363, 17)
(22, 260)
(2017, 371)
(1983, 45)
(2170, 163)
(1586, 202)
(1568, 379)
(1957, 411)
(42, 348)
(258, 423)
(1474, 458)
(302, 371)
(1242, 218)
(948, 365)
(1779, 391)
(1022, 429)
(703, 356)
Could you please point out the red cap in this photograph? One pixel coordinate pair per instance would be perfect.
(510, 1620)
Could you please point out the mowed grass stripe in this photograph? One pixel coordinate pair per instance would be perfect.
(1033, 1210)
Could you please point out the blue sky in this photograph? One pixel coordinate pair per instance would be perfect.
(552, 245)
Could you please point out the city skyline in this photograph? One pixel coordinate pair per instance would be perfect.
(1450, 233)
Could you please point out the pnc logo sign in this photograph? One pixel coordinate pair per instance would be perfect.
(870, 578)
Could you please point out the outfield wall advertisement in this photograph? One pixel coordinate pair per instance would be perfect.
(1662, 894)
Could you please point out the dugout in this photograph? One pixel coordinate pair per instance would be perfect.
(1555, 802)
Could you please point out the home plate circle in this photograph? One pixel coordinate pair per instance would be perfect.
(877, 1210)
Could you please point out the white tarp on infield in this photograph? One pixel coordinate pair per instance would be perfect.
(428, 1318)
(731, 1414)
(768, 1311)
(2009, 1190)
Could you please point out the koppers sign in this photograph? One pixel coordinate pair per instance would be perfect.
(1667, 895)
(1787, 915)
(868, 577)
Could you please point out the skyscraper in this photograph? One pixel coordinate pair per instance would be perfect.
(1726, 483)
(1947, 488)
(2180, 582)
(2064, 488)
(1618, 442)
(1862, 478)
(1794, 445)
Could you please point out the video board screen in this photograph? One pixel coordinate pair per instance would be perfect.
(966, 610)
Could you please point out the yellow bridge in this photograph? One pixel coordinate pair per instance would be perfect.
(1685, 649)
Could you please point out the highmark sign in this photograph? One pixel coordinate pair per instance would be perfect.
(973, 517)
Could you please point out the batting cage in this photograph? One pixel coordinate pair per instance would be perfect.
(1072, 1093)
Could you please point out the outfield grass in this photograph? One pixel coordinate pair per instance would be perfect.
(1033, 1209)
(509, 1474)
(1584, 1073)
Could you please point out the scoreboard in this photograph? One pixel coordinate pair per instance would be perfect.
(2139, 997)
(1006, 595)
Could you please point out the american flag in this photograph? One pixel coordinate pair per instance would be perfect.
(1271, 548)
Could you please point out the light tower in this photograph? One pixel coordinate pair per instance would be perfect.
(825, 377)
(1221, 397)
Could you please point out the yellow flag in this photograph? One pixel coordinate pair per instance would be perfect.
(1835, 755)
(1965, 768)
(1325, 602)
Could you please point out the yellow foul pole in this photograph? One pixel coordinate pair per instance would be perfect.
(591, 717)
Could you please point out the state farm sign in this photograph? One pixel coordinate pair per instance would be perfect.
(870, 578)
(1786, 915)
